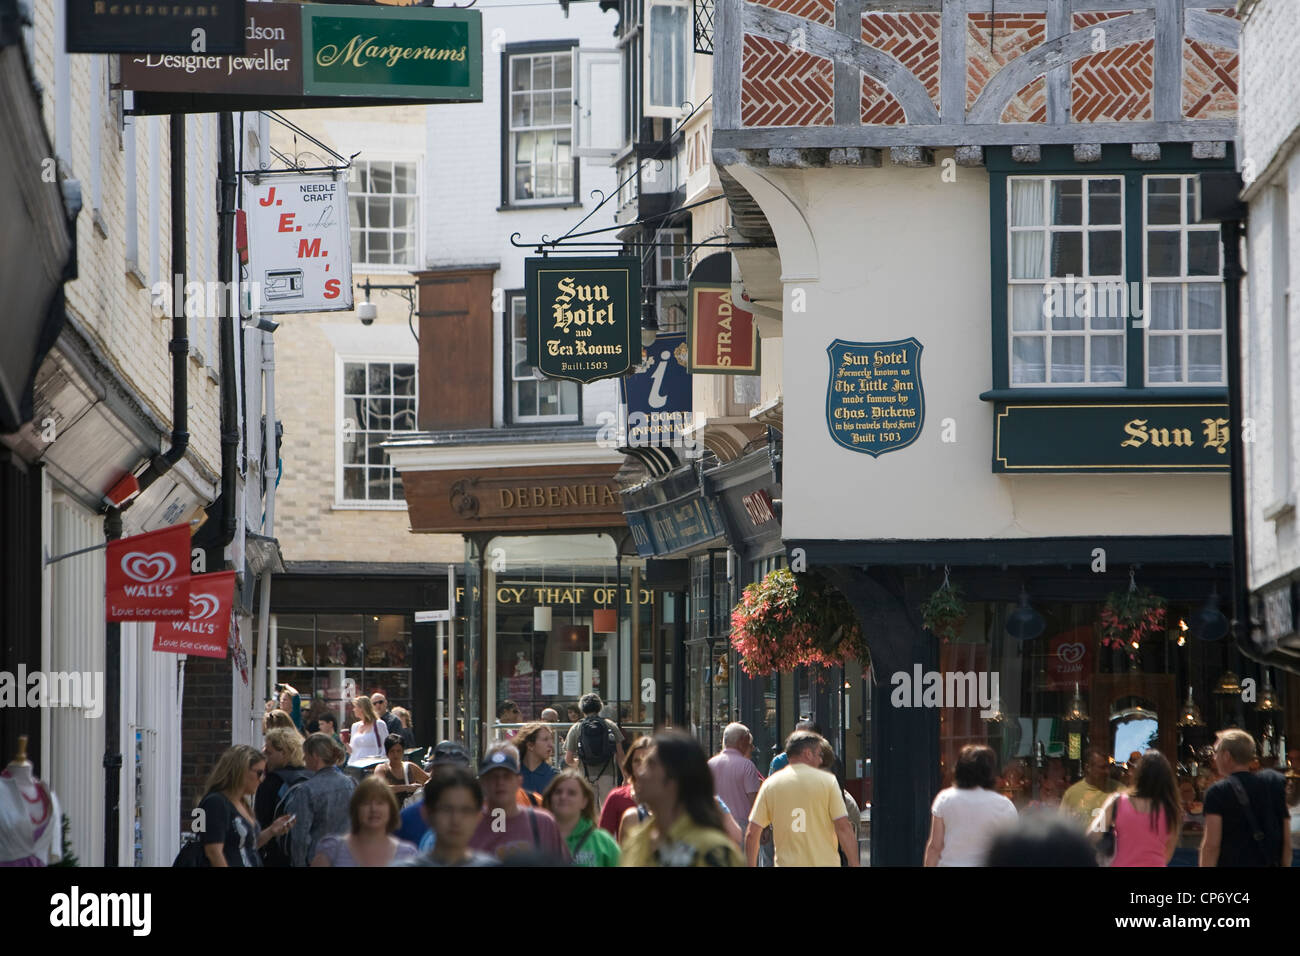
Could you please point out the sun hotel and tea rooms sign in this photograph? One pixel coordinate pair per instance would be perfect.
(579, 313)
(313, 55)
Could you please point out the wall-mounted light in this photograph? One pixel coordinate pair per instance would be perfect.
(649, 322)
(367, 311)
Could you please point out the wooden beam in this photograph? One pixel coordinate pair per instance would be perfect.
(984, 134)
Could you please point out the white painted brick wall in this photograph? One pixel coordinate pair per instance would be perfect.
(1270, 116)
(105, 301)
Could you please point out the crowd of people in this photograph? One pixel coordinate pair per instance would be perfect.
(294, 804)
(1135, 821)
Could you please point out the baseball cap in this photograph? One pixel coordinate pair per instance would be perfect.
(498, 760)
(450, 752)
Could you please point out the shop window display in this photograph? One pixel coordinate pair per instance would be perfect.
(1043, 705)
(331, 658)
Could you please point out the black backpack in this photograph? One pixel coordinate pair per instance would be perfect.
(596, 746)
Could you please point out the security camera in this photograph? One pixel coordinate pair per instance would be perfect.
(367, 313)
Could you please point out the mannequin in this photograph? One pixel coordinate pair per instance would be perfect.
(31, 826)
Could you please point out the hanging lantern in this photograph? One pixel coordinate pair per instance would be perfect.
(1077, 714)
(1191, 714)
(604, 620)
(541, 619)
(1229, 685)
(1268, 697)
(1024, 623)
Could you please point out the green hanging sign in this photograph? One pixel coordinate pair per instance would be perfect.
(583, 316)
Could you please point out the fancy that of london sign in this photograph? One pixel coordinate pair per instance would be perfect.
(300, 255)
(415, 52)
(155, 26)
(874, 399)
(1111, 437)
(583, 316)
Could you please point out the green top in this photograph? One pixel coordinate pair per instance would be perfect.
(599, 850)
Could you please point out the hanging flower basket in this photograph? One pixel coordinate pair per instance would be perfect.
(944, 612)
(1128, 617)
(789, 620)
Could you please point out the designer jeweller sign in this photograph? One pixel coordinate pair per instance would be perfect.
(580, 316)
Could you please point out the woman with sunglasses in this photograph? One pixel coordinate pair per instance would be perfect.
(230, 833)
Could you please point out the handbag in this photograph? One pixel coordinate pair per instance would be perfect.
(1106, 842)
(191, 855)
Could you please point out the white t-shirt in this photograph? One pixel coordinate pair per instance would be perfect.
(971, 818)
(365, 742)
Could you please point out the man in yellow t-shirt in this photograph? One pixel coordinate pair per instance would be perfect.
(1082, 799)
(805, 809)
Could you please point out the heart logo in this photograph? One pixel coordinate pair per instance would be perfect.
(203, 606)
(147, 568)
(1071, 653)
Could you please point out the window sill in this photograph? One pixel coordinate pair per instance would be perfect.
(368, 506)
(1102, 394)
(520, 207)
(1279, 510)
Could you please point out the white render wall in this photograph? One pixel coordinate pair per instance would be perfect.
(1270, 123)
(462, 221)
(894, 252)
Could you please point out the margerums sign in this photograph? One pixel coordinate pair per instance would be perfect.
(206, 632)
(148, 575)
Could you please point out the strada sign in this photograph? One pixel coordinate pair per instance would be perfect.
(300, 256)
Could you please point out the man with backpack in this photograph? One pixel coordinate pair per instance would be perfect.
(595, 746)
(1246, 816)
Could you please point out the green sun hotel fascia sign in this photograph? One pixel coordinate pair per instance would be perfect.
(1111, 437)
(426, 53)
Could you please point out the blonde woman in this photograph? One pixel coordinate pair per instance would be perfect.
(285, 769)
(370, 842)
(368, 733)
(230, 834)
(276, 719)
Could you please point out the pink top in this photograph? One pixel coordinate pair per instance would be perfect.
(1137, 842)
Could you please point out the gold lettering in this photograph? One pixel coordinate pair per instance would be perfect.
(588, 494)
(507, 499)
(1216, 434)
(552, 496)
(569, 497)
(1136, 428)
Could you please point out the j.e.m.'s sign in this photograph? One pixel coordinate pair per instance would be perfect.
(155, 26)
(579, 315)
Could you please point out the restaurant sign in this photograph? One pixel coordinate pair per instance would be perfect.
(874, 399)
(1111, 438)
(723, 337)
(580, 316)
(155, 26)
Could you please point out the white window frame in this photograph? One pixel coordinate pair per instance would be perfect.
(1184, 227)
(341, 361)
(672, 287)
(648, 106)
(511, 131)
(512, 399)
(377, 268)
(1088, 331)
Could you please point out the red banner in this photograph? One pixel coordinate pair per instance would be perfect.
(723, 336)
(1069, 659)
(148, 575)
(206, 633)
